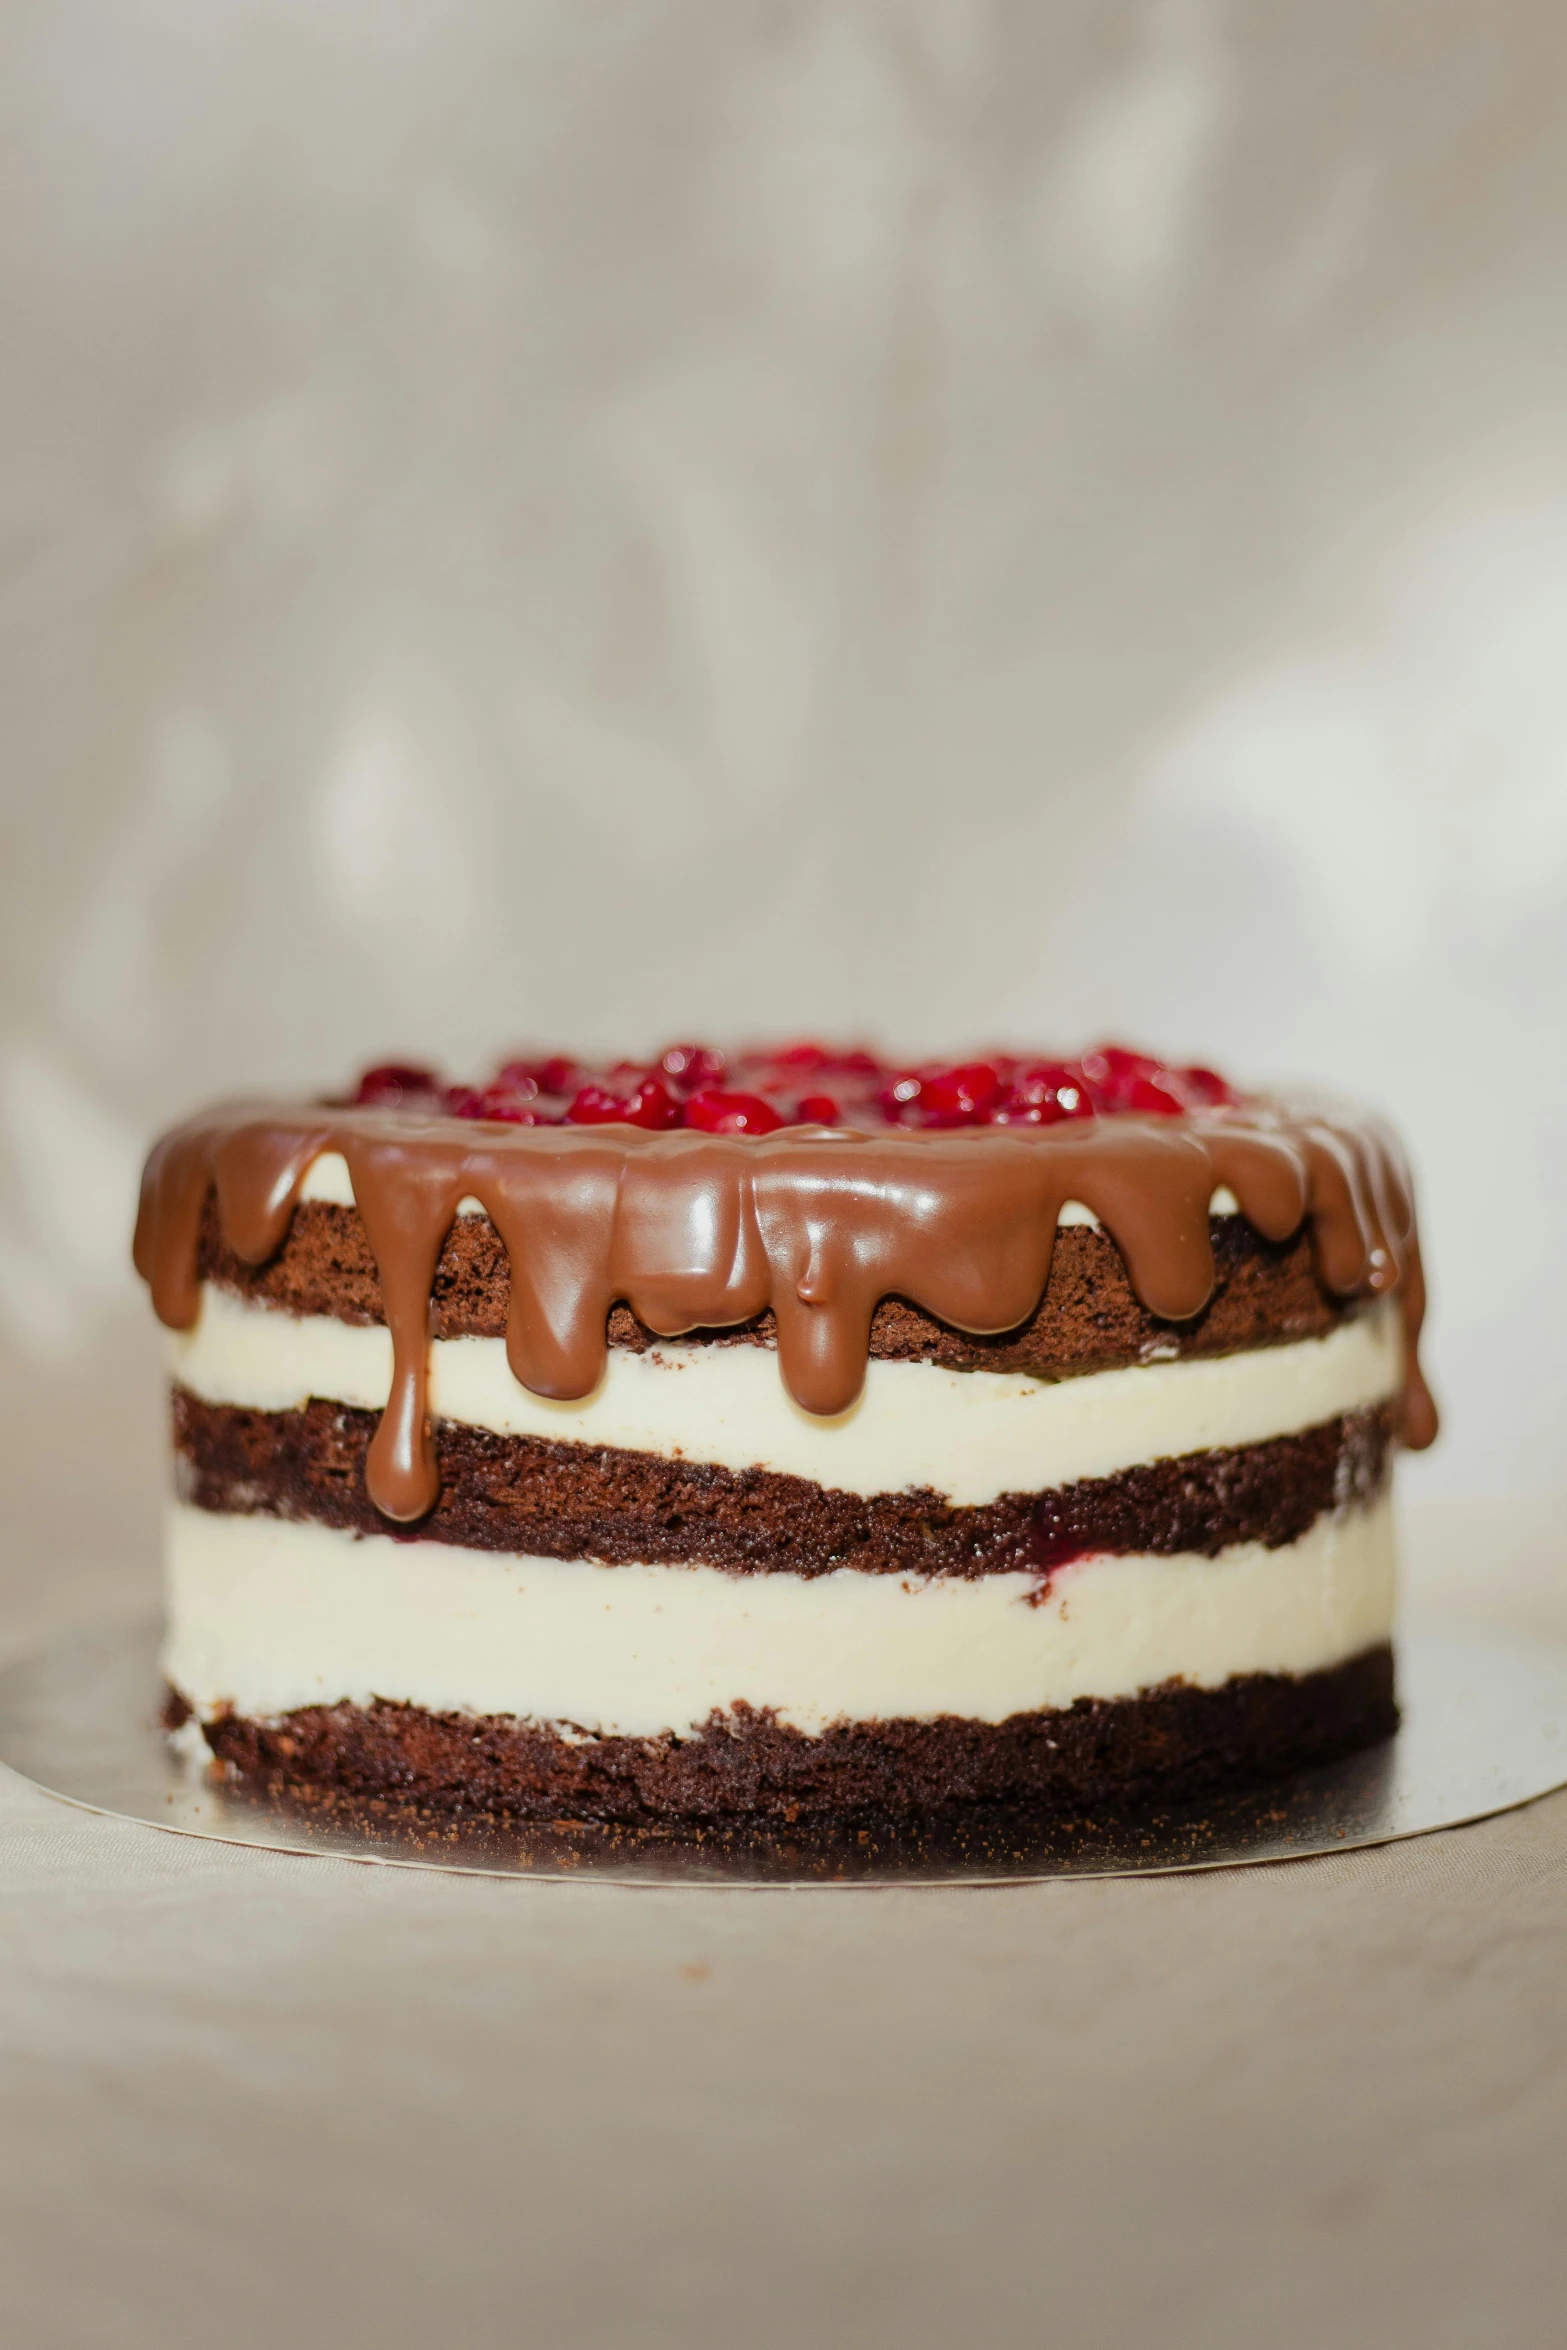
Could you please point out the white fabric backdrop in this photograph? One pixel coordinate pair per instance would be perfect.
(522, 519)
(518, 517)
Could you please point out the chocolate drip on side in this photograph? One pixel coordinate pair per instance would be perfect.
(698, 1231)
(1265, 1293)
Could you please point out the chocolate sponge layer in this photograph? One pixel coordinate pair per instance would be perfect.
(541, 1499)
(1104, 1755)
(1087, 1320)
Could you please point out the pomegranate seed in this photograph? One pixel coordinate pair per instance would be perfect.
(1044, 1092)
(557, 1074)
(731, 1113)
(1119, 1079)
(692, 1065)
(817, 1109)
(1207, 1087)
(517, 1077)
(1145, 1093)
(498, 1103)
(593, 1105)
(901, 1095)
(505, 1106)
(963, 1096)
(1114, 1064)
(391, 1082)
(804, 1057)
(650, 1104)
(656, 1105)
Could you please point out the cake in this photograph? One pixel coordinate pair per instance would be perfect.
(790, 1435)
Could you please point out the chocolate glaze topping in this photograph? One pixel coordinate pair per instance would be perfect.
(817, 1224)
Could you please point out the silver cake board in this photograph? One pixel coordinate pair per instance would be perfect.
(1484, 1729)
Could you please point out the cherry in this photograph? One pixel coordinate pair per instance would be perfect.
(731, 1113)
(962, 1096)
(649, 1104)
(391, 1082)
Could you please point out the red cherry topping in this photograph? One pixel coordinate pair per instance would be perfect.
(391, 1082)
(731, 1113)
(817, 1109)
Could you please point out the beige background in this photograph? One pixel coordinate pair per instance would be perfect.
(937, 516)
(941, 516)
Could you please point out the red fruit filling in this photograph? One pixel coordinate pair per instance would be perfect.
(763, 1088)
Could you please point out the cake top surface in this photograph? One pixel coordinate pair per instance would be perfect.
(703, 1191)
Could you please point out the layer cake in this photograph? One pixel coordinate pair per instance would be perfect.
(787, 1435)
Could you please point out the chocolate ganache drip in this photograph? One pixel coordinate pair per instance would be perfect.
(697, 1230)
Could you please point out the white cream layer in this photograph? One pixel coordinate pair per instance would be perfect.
(266, 1616)
(969, 1434)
